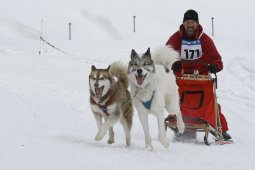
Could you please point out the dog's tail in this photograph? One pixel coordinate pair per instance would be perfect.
(166, 56)
(119, 70)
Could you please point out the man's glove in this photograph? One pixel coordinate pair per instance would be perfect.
(212, 68)
(177, 66)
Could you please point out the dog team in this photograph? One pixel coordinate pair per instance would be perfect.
(153, 88)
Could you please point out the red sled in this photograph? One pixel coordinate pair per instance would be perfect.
(198, 104)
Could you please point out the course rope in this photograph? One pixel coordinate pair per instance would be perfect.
(54, 46)
(64, 52)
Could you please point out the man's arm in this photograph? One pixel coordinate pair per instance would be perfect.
(211, 53)
(175, 41)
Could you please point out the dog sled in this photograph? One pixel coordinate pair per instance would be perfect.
(199, 107)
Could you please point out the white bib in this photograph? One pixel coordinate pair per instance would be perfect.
(191, 50)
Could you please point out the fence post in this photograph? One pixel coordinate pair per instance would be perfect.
(70, 30)
(212, 27)
(134, 21)
(40, 51)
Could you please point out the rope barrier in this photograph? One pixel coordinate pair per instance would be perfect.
(54, 46)
(64, 52)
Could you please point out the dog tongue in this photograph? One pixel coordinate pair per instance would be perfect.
(140, 80)
(99, 91)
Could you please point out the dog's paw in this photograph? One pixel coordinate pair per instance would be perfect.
(164, 142)
(98, 137)
(110, 141)
(128, 142)
(181, 127)
(149, 148)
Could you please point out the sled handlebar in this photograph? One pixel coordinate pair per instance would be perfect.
(196, 67)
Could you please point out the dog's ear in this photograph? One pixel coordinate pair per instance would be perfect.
(108, 68)
(93, 68)
(133, 54)
(148, 53)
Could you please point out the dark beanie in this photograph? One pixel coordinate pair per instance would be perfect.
(191, 15)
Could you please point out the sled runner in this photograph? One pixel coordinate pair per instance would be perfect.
(199, 107)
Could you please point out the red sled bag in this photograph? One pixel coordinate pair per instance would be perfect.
(197, 101)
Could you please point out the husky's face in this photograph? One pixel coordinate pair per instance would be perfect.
(140, 68)
(99, 81)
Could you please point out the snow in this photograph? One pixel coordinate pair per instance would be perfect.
(46, 121)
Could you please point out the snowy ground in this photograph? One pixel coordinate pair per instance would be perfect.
(46, 121)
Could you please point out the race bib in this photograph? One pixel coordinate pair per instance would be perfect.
(191, 50)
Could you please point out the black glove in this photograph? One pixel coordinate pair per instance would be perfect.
(212, 68)
(177, 66)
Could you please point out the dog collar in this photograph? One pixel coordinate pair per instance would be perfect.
(100, 104)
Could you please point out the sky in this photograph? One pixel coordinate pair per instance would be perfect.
(46, 121)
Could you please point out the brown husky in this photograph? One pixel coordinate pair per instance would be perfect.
(110, 99)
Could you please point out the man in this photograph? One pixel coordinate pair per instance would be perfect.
(198, 52)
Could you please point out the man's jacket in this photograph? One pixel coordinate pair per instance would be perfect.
(209, 53)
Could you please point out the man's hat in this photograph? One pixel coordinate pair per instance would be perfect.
(191, 15)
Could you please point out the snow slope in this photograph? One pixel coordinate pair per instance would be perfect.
(46, 121)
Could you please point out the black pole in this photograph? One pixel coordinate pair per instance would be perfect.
(70, 30)
(40, 51)
(212, 27)
(134, 22)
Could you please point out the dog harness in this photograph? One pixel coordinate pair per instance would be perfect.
(147, 104)
(102, 106)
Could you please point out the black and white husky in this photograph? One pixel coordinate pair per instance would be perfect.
(153, 87)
